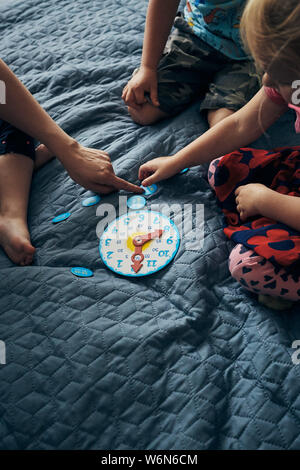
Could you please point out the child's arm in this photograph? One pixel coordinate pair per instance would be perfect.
(253, 199)
(234, 132)
(88, 167)
(160, 17)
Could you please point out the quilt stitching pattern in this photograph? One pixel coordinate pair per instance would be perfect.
(184, 359)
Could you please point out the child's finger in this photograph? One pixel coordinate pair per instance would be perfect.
(144, 171)
(124, 93)
(154, 96)
(243, 216)
(139, 96)
(125, 89)
(130, 99)
(141, 174)
(151, 179)
(237, 191)
(137, 102)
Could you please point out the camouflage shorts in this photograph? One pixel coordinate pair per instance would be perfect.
(191, 69)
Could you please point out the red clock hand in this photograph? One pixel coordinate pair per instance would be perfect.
(137, 259)
(138, 241)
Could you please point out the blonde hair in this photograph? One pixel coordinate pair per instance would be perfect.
(271, 32)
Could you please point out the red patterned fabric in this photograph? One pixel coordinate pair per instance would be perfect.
(279, 170)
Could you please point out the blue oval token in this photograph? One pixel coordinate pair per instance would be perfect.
(148, 190)
(91, 201)
(82, 272)
(136, 202)
(184, 171)
(61, 217)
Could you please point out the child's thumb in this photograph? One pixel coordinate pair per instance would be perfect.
(150, 180)
(154, 95)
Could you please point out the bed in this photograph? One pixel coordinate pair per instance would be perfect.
(183, 359)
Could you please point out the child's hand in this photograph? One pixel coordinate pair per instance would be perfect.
(93, 170)
(248, 198)
(144, 81)
(156, 170)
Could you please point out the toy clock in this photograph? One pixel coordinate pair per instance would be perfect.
(139, 243)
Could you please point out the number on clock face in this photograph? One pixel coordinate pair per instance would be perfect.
(139, 243)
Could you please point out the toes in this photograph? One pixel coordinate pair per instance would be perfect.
(28, 255)
(29, 249)
(20, 252)
(26, 260)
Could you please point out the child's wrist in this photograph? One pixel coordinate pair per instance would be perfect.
(179, 162)
(263, 198)
(149, 66)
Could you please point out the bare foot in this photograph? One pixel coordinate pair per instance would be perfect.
(42, 156)
(15, 240)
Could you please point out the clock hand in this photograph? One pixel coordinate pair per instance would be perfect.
(137, 259)
(138, 241)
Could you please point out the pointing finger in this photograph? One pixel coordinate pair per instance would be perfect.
(120, 183)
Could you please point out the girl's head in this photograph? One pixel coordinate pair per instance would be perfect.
(271, 31)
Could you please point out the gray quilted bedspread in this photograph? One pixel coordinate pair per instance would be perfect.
(183, 359)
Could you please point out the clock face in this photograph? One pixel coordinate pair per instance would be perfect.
(139, 243)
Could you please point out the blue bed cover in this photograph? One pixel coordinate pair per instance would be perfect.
(183, 359)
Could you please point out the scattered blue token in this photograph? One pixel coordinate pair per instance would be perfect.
(61, 217)
(149, 189)
(184, 171)
(136, 202)
(91, 201)
(82, 272)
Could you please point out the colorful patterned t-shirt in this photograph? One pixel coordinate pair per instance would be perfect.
(217, 22)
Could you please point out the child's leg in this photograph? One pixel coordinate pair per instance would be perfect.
(259, 275)
(17, 155)
(231, 88)
(15, 178)
(185, 70)
(215, 116)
